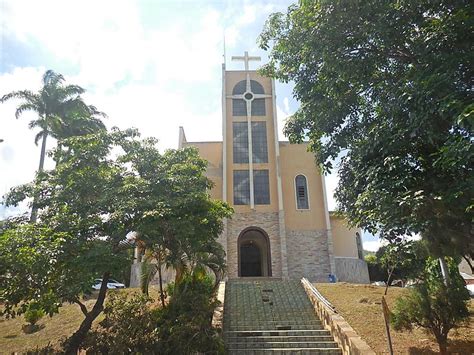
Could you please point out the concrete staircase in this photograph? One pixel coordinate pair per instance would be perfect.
(270, 316)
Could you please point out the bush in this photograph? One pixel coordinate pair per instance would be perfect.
(185, 324)
(128, 326)
(433, 305)
(34, 313)
(134, 324)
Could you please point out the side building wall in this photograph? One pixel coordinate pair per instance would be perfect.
(349, 267)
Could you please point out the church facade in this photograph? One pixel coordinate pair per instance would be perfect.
(281, 226)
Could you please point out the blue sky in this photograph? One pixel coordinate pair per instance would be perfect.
(150, 64)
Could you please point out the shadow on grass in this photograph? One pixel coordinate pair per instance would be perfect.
(454, 347)
(32, 328)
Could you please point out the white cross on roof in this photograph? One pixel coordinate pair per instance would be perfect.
(246, 58)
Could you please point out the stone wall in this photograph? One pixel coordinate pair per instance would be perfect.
(352, 270)
(268, 221)
(347, 338)
(308, 255)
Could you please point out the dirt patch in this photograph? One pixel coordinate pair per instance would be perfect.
(360, 305)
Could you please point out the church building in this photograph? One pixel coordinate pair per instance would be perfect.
(281, 226)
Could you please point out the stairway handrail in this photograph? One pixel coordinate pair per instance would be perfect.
(318, 295)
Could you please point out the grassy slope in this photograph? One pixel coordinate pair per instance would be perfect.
(54, 329)
(360, 305)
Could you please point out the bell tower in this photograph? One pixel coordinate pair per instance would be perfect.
(251, 172)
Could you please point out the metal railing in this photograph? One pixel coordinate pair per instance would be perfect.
(318, 295)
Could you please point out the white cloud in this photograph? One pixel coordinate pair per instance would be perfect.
(149, 78)
(372, 245)
(19, 155)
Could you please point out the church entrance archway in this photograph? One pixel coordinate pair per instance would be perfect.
(254, 253)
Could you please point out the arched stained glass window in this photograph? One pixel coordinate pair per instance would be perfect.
(301, 192)
(239, 107)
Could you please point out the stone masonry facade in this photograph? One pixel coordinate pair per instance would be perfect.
(308, 255)
(268, 221)
(307, 251)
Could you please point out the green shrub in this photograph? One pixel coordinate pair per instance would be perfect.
(128, 326)
(432, 305)
(34, 313)
(134, 324)
(185, 324)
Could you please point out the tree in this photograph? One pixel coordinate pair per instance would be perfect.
(61, 112)
(404, 260)
(78, 236)
(87, 205)
(387, 88)
(432, 305)
(176, 221)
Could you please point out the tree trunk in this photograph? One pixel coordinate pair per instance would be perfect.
(34, 209)
(468, 262)
(162, 296)
(444, 270)
(74, 343)
(388, 280)
(443, 344)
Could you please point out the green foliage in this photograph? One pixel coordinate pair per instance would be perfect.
(433, 305)
(34, 313)
(61, 111)
(133, 324)
(129, 326)
(386, 87)
(185, 324)
(176, 220)
(404, 261)
(30, 257)
(89, 202)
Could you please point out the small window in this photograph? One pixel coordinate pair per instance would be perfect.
(241, 187)
(240, 142)
(261, 189)
(301, 193)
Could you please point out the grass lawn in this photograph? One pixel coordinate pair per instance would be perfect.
(361, 307)
(53, 329)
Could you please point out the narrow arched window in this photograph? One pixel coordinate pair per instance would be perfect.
(360, 250)
(301, 193)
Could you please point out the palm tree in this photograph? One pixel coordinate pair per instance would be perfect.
(61, 113)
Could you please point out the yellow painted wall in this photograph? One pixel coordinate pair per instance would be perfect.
(343, 238)
(295, 160)
(212, 152)
(232, 78)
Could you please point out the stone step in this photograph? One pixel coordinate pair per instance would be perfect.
(281, 344)
(284, 351)
(267, 327)
(293, 338)
(273, 317)
(300, 332)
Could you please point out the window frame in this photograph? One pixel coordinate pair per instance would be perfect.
(236, 153)
(256, 172)
(296, 193)
(256, 88)
(234, 186)
(261, 124)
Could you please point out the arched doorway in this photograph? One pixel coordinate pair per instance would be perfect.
(254, 253)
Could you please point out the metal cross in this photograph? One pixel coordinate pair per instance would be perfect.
(246, 59)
